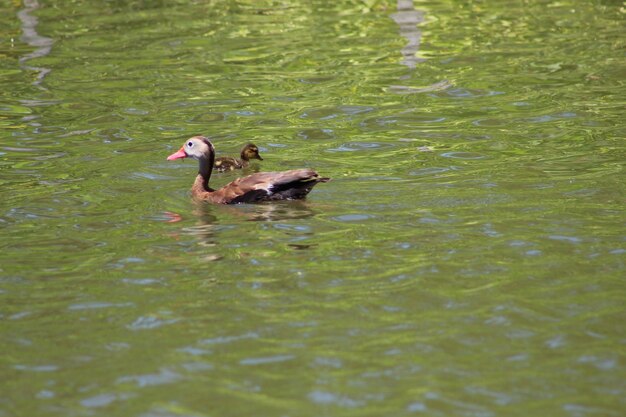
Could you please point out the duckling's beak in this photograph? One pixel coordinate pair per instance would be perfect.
(176, 155)
(259, 157)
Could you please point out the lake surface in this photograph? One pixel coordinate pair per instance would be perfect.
(468, 257)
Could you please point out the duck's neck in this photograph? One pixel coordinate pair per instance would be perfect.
(204, 172)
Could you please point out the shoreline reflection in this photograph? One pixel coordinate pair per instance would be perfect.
(30, 36)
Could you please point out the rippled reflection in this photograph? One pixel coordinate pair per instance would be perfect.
(42, 44)
(407, 17)
(211, 221)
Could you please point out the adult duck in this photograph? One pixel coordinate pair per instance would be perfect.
(262, 186)
(228, 163)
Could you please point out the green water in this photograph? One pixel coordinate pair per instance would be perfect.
(467, 259)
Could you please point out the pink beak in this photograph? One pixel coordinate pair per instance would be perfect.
(180, 154)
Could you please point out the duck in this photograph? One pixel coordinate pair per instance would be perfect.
(229, 163)
(294, 184)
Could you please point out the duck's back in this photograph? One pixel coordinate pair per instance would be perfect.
(268, 186)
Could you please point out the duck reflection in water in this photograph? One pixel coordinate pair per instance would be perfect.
(275, 211)
(212, 219)
(204, 229)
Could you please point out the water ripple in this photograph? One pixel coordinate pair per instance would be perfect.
(266, 359)
(164, 376)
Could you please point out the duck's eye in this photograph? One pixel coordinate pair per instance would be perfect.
(190, 144)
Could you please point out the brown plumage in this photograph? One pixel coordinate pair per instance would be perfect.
(228, 163)
(255, 188)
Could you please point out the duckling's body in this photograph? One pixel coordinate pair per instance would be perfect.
(229, 163)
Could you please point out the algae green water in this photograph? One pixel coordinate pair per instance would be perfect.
(467, 259)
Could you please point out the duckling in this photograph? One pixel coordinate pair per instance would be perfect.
(228, 163)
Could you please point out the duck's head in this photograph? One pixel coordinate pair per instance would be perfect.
(250, 151)
(197, 147)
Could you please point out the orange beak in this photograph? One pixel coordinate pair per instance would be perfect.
(176, 155)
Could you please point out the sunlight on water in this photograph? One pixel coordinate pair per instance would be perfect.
(465, 260)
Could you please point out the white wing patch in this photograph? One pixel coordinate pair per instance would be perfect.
(264, 186)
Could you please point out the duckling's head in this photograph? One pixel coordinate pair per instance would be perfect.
(250, 151)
